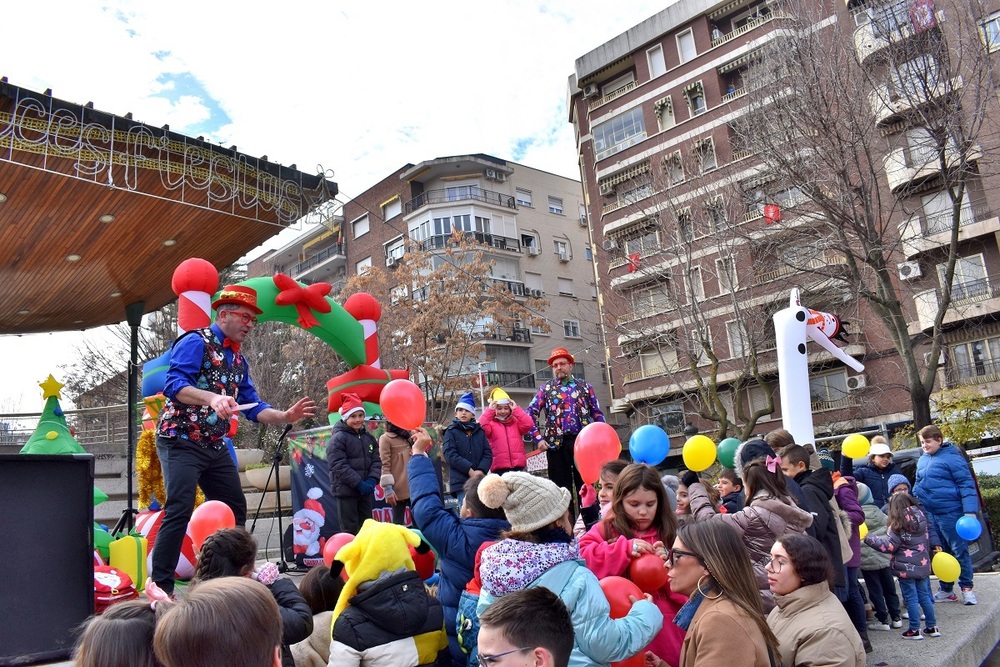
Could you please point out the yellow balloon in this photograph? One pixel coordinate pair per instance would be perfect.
(855, 446)
(863, 530)
(698, 453)
(946, 567)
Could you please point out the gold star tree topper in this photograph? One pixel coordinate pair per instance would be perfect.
(50, 387)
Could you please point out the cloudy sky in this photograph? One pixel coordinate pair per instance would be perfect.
(358, 88)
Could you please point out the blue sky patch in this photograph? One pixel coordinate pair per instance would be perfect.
(182, 84)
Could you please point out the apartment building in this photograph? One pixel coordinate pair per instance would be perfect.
(533, 225)
(696, 247)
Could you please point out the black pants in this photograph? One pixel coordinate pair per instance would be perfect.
(352, 512)
(399, 513)
(562, 471)
(186, 466)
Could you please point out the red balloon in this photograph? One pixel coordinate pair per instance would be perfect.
(617, 590)
(333, 545)
(424, 563)
(403, 404)
(596, 444)
(210, 516)
(637, 660)
(648, 572)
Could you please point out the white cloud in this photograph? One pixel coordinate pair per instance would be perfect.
(357, 87)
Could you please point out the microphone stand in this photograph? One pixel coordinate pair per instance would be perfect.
(275, 462)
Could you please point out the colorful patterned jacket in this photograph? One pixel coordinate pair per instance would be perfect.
(569, 406)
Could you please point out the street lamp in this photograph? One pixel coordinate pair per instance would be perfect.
(481, 382)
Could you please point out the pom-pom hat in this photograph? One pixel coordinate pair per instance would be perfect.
(352, 403)
(529, 502)
(239, 295)
(467, 402)
(896, 479)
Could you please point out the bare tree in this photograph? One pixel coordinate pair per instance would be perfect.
(857, 120)
(439, 307)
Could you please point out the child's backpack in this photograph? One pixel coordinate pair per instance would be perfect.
(467, 618)
(111, 585)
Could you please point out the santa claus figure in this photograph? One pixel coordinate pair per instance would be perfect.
(307, 523)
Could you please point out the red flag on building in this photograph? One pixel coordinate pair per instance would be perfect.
(922, 15)
(633, 262)
(772, 213)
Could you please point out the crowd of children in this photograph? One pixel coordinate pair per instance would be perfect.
(724, 548)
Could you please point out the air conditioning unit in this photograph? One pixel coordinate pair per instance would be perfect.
(536, 293)
(563, 256)
(591, 90)
(607, 189)
(491, 174)
(908, 270)
(532, 250)
(583, 220)
(391, 261)
(501, 177)
(856, 382)
(609, 245)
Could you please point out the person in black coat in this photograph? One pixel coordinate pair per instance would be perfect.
(466, 447)
(817, 487)
(355, 466)
(232, 552)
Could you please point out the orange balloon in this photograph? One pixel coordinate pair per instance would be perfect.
(596, 444)
(210, 516)
(403, 404)
(648, 572)
(617, 590)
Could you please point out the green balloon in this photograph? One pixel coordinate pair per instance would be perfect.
(726, 452)
(102, 542)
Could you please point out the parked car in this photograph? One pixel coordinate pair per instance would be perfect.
(982, 550)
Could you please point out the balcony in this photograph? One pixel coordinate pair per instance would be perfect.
(499, 242)
(838, 404)
(921, 234)
(888, 23)
(515, 287)
(970, 299)
(902, 169)
(456, 195)
(611, 96)
(890, 107)
(321, 265)
(514, 335)
(786, 270)
(512, 379)
(750, 25)
(982, 372)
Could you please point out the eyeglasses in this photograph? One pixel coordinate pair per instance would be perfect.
(775, 565)
(674, 554)
(246, 318)
(488, 660)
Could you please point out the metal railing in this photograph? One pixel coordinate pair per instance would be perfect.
(101, 431)
(975, 373)
(516, 379)
(612, 95)
(448, 196)
(318, 258)
(500, 242)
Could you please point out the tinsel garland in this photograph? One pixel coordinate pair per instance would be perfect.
(149, 475)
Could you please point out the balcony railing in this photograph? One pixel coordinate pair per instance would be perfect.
(454, 195)
(101, 431)
(514, 335)
(318, 258)
(787, 270)
(746, 27)
(515, 379)
(965, 294)
(500, 242)
(968, 374)
(612, 95)
(838, 404)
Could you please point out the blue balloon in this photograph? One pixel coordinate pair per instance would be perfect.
(968, 528)
(649, 444)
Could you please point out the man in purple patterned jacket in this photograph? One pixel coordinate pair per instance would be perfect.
(569, 405)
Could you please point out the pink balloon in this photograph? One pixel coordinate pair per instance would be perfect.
(210, 516)
(403, 404)
(596, 444)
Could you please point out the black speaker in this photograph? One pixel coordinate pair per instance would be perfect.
(46, 549)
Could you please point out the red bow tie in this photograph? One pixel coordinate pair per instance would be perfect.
(235, 347)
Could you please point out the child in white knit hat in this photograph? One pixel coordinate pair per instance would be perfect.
(540, 550)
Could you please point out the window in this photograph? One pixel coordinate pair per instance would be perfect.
(589, 253)
(970, 280)
(398, 293)
(657, 65)
(658, 361)
(704, 150)
(685, 46)
(363, 267)
(803, 255)
(360, 226)
(566, 286)
(990, 28)
(643, 243)
(619, 133)
(571, 328)
(615, 85)
(685, 226)
(922, 149)
(726, 270)
(673, 168)
(530, 241)
(826, 390)
(695, 95)
(482, 224)
(664, 110)
(523, 197)
(717, 215)
(395, 249)
(637, 192)
(462, 223)
(695, 285)
(938, 212)
(739, 341)
(976, 358)
(915, 79)
(555, 205)
(562, 249)
(461, 192)
(391, 209)
(652, 300)
(700, 343)
(669, 417)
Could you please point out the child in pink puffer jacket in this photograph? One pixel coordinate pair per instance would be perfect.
(505, 423)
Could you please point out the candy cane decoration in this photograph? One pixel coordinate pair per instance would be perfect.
(365, 309)
(195, 281)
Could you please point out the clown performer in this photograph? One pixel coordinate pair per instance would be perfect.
(307, 524)
(208, 382)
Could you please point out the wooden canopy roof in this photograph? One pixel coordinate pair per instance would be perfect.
(97, 210)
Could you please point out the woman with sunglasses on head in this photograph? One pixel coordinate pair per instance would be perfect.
(723, 619)
(768, 514)
(811, 624)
